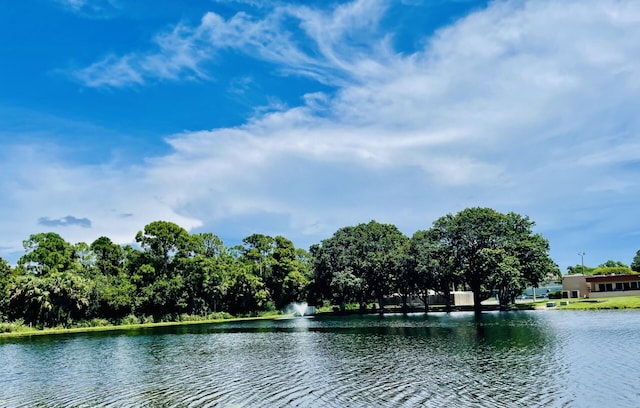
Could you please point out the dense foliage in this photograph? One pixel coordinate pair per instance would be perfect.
(478, 248)
(608, 268)
(635, 263)
(171, 273)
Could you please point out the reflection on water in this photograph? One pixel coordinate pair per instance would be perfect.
(544, 358)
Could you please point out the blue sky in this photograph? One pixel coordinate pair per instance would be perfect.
(298, 118)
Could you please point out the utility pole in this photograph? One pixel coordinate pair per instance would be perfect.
(582, 254)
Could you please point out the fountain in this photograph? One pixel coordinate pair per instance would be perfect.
(299, 309)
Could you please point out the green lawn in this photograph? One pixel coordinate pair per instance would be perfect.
(624, 302)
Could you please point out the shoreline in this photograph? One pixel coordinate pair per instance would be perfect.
(617, 303)
(126, 327)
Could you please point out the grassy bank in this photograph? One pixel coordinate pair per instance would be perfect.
(624, 302)
(25, 331)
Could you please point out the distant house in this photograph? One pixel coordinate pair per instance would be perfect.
(598, 286)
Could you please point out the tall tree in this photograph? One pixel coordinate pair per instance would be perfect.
(85, 259)
(258, 249)
(6, 272)
(481, 239)
(163, 239)
(433, 265)
(335, 275)
(46, 252)
(406, 282)
(579, 269)
(380, 256)
(208, 245)
(505, 278)
(109, 256)
(365, 259)
(247, 291)
(635, 263)
(288, 280)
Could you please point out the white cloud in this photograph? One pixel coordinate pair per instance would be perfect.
(180, 52)
(91, 8)
(525, 106)
(516, 106)
(111, 71)
(38, 186)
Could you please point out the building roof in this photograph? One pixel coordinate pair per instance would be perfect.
(613, 278)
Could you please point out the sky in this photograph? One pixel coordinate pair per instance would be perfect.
(300, 118)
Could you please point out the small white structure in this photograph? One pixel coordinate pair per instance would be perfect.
(458, 298)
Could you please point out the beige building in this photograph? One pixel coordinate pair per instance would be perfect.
(574, 286)
(599, 286)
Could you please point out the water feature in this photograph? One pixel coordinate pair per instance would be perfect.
(299, 309)
(541, 358)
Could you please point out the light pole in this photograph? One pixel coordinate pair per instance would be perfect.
(582, 254)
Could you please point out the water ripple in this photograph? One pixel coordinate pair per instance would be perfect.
(500, 360)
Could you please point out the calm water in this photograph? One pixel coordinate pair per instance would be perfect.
(541, 358)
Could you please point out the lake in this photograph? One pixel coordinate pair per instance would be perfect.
(532, 359)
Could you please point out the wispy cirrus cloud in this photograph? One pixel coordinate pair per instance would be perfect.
(314, 48)
(91, 8)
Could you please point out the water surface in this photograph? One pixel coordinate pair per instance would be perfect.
(540, 358)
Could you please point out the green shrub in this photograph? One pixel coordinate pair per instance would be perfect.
(613, 270)
(219, 316)
(17, 326)
(555, 295)
(198, 318)
(97, 322)
(130, 319)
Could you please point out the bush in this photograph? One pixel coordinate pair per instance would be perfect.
(614, 270)
(130, 319)
(555, 295)
(96, 322)
(147, 319)
(219, 316)
(17, 326)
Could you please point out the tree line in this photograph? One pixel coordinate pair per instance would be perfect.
(607, 268)
(171, 273)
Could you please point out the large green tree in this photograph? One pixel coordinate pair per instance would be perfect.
(488, 248)
(164, 239)
(247, 291)
(288, 279)
(258, 250)
(46, 252)
(406, 283)
(380, 252)
(113, 296)
(432, 264)
(6, 273)
(58, 298)
(362, 261)
(635, 263)
(206, 273)
(109, 256)
(579, 269)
